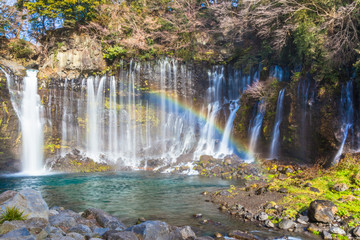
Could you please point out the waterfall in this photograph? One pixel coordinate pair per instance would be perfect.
(31, 126)
(94, 115)
(255, 126)
(275, 143)
(225, 142)
(347, 114)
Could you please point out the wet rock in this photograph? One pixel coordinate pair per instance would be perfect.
(303, 219)
(27, 200)
(11, 226)
(337, 230)
(205, 193)
(76, 236)
(122, 236)
(185, 233)
(18, 233)
(197, 215)
(322, 211)
(100, 231)
(222, 208)
(64, 220)
(53, 212)
(314, 189)
(241, 235)
(356, 231)
(262, 216)
(286, 224)
(326, 235)
(152, 230)
(204, 221)
(340, 187)
(218, 235)
(81, 229)
(204, 238)
(104, 219)
(269, 224)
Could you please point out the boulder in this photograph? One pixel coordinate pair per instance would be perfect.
(356, 231)
(18, 233)
(340, 187)
(104, 219)
(76, 236)
(27, 200)
(63, 220)
(322, 211)
(153, 230)
(100, 231)
(185, 233)
(303, 219)
(263, 216)
(81, 229)
(269, 224)
(337, 230)
(327, 235)
(286, 224)
(126, 235)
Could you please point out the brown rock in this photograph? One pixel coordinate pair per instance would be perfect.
(322, 211)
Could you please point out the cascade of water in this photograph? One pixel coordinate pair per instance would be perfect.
(275, 143)
(255, 126)
(225, 142)
(31, 126)
(347, 113)
(94, 115)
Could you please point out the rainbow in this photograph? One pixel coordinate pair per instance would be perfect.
(238, 147)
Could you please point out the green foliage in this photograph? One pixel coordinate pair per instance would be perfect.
(112, 53)
(12, 214)
(20, 49)
(45, 12)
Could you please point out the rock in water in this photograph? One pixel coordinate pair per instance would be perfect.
(27, 200)
(322, 211)
(104, 219)
(157, 230)
(286, 224)
(237, 234)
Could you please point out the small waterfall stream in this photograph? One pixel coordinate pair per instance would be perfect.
(255, 126)
(275, 142)
(347, 115)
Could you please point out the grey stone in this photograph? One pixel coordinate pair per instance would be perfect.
(53, 212)
(204, 238)
(11, 226)
(185, 233)
(340, 187)
(263, 216)
(237, 234)
(56, 231)
(303, 219)
(104, 219)
(314, 189)
(153, 230)
(75, 236)
(337, 230)
(81, 229)
(286, 224)
(63, 220)
(27, 200)
(356, 231)
(326, 235)
(322, 211)
(100, 231)
(21, 232)
(125, 235)
(269, 224)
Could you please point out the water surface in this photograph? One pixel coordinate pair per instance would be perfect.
(130, 195)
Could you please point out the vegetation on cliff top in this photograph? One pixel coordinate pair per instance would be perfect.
(319, 36)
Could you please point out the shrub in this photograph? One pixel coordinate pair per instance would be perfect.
(12, 214)
(20, 49)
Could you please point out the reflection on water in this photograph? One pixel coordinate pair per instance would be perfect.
(130, 195)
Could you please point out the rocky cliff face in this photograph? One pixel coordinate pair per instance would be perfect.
(70, 55)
